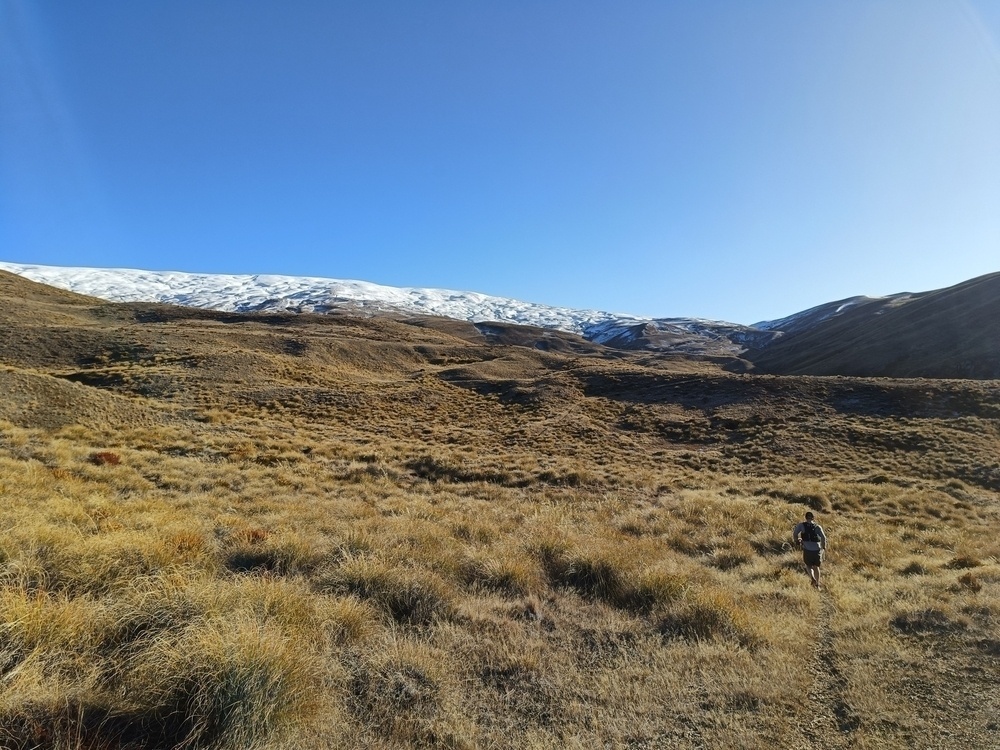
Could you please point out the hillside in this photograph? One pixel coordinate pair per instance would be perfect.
(236, 530)
(687, 337)
(947, 333)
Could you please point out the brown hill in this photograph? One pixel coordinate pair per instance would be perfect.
(947, 333)
(237, 530)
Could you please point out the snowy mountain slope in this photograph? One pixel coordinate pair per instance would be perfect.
(267, 293)
(950, 332)
(235, 293)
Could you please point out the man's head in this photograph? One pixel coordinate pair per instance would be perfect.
(809, 515)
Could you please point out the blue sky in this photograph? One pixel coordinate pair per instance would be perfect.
(729, 160)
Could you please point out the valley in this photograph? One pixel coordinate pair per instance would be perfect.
(237, 530)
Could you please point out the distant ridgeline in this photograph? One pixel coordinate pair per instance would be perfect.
(946, 333)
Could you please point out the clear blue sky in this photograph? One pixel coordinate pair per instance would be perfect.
(730, 160)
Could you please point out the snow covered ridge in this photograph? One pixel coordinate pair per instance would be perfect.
(265, 293)
(233, 293)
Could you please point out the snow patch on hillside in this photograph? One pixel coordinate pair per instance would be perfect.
(273, 293)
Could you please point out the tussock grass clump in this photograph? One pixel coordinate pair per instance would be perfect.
(569, 478)
(963, 561)
(654, 588)
(404, 694)
(608, 574)
(914, 568)
(969, 582)
(171, 662)
(39, 629)
(370, 472)
(818, 500)
(504, 573)
(708, 615)
(474, 532)
(258, 551)
(59, 560)
(348, 620)
(355, 543)
(731, 558)
(408, 596)
(435, 469)
(928, 621)
(226, 684)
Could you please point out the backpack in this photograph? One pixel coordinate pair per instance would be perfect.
(810, 532)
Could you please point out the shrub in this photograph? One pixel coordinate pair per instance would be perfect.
(104, 458)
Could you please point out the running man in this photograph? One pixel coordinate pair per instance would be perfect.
(809, 536)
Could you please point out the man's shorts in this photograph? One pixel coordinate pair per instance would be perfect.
(812, 557)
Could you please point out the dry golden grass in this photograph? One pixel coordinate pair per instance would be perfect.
(366, 534)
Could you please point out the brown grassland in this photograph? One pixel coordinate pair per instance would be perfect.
(229, 531)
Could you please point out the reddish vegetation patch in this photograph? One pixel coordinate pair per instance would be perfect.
(105, 458)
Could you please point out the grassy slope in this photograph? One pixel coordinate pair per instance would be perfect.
(227, 531)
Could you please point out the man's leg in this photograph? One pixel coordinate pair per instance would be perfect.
(814, 575)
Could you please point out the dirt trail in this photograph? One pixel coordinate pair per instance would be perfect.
(831, 722)
(949, 697)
